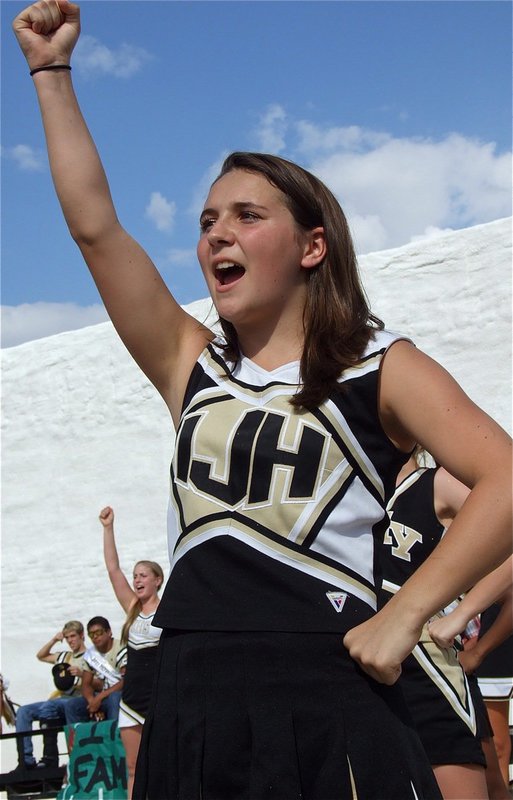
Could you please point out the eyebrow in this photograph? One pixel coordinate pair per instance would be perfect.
(238, 206)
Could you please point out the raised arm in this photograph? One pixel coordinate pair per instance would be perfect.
(44, 653)
(420, 402)
(162, 338)
(122, 589)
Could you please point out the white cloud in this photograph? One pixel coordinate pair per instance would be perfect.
(27, 158)
(271, 129)
(368, 232)
(395, 189)
(314, 139)
(161, 211)
(431, 232)
(30, 321)
(92, 57)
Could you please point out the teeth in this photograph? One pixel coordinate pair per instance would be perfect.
(227, 265)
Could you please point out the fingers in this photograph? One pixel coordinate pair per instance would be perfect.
(440, 638)
(386, 674)
(43, 17)
(48, 26)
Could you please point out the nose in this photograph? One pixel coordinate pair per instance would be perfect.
(219, 234)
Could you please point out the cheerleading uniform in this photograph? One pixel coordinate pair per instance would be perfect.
(495, 673)
(275, 518)
(437, 691)
(143, 638)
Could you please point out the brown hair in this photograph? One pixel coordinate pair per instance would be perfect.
(135, 609)
(337, 319)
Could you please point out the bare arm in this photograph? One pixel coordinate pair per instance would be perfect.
(125, 595)
(163, 339)
(474, 449)
(498, 632)
(486, 591)
(44, 653)
(87, 685)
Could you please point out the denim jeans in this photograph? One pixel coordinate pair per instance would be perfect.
(54, 709)
(75, 709)
(25, 716)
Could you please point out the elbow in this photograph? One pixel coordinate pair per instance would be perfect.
(89, 234)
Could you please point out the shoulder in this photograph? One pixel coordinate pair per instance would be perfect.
(117, 647)
(382, 339)
(120, 653)
(60, 656)
(408, 410)
(370, 363)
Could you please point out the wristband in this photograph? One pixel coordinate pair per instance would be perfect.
(49, 67)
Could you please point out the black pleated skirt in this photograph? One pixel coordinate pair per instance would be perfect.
(281, 716)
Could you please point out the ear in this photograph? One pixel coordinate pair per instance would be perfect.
(315, 248)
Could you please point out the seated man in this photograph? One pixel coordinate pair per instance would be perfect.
(106, 661)
(73, 633)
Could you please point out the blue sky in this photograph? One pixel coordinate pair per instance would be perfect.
(403, 108)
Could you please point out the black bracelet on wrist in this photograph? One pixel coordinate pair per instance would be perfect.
(49, 67)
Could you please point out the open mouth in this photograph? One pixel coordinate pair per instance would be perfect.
(228, 272)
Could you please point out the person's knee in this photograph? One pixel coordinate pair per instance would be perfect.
(26, 715)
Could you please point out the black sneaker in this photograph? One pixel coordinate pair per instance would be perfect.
(47, 762)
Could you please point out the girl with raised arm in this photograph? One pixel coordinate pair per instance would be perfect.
(139, 603)
(275, 674)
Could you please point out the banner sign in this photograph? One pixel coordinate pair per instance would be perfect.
(97, 763)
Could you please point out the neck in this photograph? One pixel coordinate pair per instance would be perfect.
(273, 350)
(150, 604)
(273, 339)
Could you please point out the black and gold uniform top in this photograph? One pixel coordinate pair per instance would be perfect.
(276, 514)
(414, 530)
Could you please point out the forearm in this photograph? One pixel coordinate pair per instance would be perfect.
(464, 555)
(87, 693)
(115, 688)
(481, 596)
(486, 591)
(122, 590)
(498, 632)
(77, 172)
(110, 552)
(45, 651)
